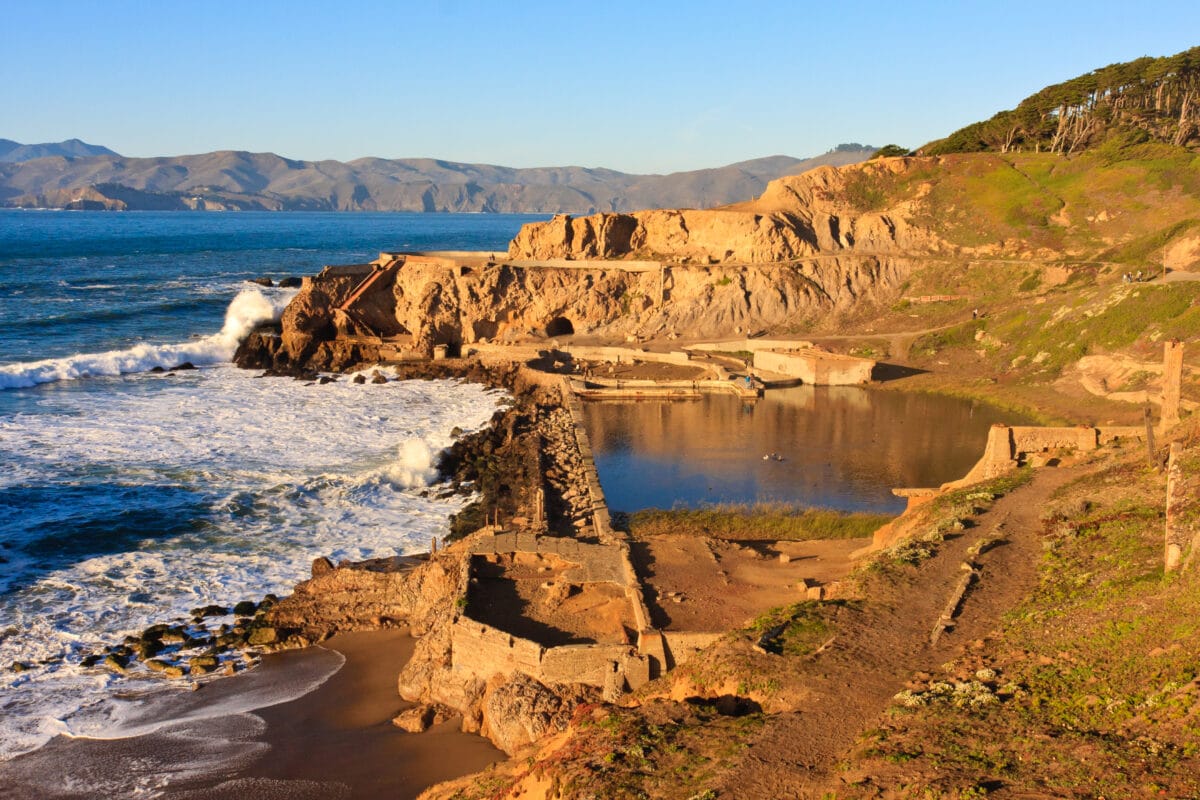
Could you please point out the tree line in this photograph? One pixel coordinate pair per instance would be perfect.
(1153, 99)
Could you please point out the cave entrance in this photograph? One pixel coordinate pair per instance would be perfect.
(559, 326)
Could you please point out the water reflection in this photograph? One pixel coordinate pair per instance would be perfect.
(841, 447)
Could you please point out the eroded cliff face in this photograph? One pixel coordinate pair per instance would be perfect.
(505, 303)
(798, 217)
(801, 252)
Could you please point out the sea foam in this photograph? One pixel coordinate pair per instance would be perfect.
(224, 486)
(251, 307)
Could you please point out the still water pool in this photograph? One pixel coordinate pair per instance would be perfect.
(838, 447)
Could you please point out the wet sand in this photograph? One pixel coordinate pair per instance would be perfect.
(336, 741)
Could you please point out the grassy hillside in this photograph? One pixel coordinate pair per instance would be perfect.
(1148, 99)
(1119, 203)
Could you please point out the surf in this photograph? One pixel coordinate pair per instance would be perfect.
(251, 307)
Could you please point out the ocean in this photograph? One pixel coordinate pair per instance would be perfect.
(130, 496)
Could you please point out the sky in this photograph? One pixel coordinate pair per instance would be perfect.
(645, 87)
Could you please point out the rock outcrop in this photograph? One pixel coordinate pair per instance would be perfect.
(803, 216)
(810, 247)
(371, 594)
(440, 305)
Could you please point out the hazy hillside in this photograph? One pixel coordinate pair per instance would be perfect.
(231, 180)
(11, 151)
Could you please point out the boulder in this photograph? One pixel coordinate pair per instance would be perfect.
(520, 710)
(202, 665)
(262, 635)
(290, 282)
(419, 719)
(246, 608)
(262, 281)
(321, 566)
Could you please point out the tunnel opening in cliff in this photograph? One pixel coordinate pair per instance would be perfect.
(560, 326)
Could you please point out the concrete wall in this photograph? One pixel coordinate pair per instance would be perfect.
(481, 651)
(816, 367)
(751, 345)
(596, 563)
(682, 647)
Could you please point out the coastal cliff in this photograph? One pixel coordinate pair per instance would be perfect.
(798, 217)
(796, 256)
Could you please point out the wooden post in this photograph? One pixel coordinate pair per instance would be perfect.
(1174, 538)
(1149, 436)
(1172, 383)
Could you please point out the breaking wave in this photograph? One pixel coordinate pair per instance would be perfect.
(251, 307)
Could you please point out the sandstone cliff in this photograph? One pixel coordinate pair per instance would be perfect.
(817, 213)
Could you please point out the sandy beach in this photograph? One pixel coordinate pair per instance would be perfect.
(334, 741)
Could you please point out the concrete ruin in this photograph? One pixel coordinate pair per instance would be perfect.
(1182, 533)
(1008, 447)
(1172, 383)
(816, 367)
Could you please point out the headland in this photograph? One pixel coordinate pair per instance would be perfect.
(608, 660)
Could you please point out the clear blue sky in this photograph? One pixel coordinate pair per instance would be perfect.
(637, 86)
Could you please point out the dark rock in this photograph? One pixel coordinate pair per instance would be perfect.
(20, 666)
(324, 379)
(264, 281)
(359, 379)
(185, 366)
(202, 665)
(264, 635)
(378, 377)
(116, 664)
(147, 648)
(154, 632)
(246, 608)
(210, 611)
(321, 565)
(158, 369)
(91, 661)
(231, 639)
(258, 351)
(290, 282)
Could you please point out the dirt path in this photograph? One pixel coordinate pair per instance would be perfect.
(881, 644)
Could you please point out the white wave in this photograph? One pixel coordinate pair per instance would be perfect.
(251, 307)
(282, 472)
(415, 466)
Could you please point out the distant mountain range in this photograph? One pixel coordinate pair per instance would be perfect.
(11, 151)
(64, 177)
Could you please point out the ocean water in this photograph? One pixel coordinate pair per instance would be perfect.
(128, 497)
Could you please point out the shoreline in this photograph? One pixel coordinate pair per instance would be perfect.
(334, 740)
